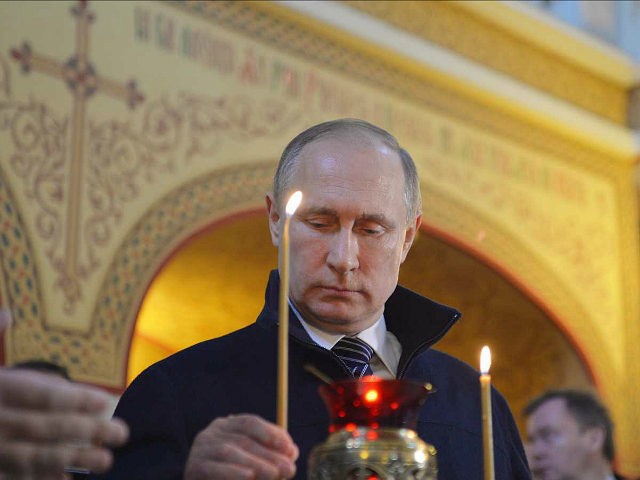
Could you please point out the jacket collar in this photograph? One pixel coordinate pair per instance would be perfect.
(416, 321)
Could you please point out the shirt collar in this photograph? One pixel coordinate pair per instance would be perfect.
(376, 336)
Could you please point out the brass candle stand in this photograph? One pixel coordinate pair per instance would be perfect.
(372, 432)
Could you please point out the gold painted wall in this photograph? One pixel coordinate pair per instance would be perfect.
(211, 286)
(177, 119)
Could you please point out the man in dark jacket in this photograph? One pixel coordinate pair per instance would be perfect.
(207, 412)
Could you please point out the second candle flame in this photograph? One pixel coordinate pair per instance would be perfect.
(485, 360)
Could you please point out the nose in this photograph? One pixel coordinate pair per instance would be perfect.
(535, 450)
(343, 252)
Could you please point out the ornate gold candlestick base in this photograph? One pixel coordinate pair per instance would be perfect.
(366, 454)
(372, 432)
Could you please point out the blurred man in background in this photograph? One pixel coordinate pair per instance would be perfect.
(569, 437)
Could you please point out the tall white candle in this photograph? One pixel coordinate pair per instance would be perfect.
(283, 312)
(487, 424)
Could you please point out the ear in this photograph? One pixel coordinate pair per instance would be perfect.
(594, 439)
(274, 219)
(409, 236)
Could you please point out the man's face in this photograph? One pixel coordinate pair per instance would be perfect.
(557, 448)
(350, 233)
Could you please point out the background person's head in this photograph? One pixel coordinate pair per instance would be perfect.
(569, 436)
(359, 215)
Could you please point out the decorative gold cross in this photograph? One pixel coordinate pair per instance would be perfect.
(83, 81)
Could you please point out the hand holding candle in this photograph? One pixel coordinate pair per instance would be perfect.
(283, 312)
(487, 426)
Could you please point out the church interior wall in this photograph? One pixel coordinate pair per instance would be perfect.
(183, 116)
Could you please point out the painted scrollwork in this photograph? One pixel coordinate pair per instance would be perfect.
(5, 80)
(121, 159)
(172, 132)
(38, 159)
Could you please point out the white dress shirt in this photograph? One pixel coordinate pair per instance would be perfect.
(385, 345)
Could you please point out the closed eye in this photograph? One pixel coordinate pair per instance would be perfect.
(370, 228)
(316, 224)
(319, 223)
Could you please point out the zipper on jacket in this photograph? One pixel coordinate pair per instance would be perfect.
(424, 346)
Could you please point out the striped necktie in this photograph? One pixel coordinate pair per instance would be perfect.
(356, 355)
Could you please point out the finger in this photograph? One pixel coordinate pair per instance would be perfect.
(240, 441)
(64, 476)
(207, 470)
(61, 427)
(38, 391)
(223, 458)
(37, 460)
(36, 477)
(93, 458)
(45, 476)
(244, 451)
(266, 433)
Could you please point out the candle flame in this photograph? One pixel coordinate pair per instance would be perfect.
(293, 203)
(371, 395)
(485, 360)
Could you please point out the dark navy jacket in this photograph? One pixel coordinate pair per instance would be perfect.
(173, 400)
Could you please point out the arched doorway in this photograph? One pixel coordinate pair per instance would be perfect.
(530, 353)
(210, 286)
(214, 284)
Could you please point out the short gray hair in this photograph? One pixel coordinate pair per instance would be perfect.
(288, 161)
